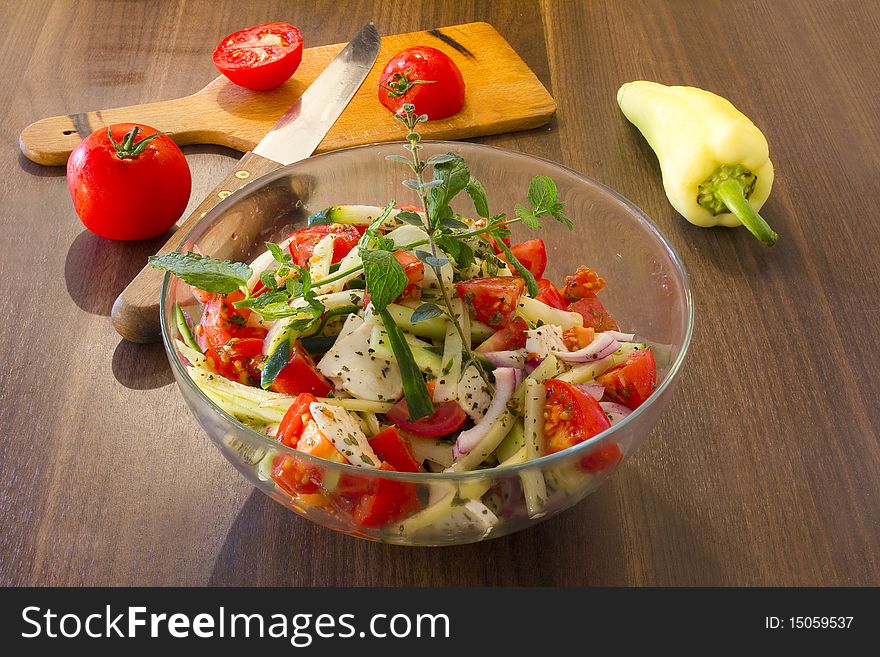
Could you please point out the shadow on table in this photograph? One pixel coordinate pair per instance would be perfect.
(141, 366)
(585, 546)
(97, 270)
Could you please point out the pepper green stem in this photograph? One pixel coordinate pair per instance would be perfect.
(731, 192)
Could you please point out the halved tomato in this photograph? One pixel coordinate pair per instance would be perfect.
(221, 322)
(300, 375)
(492, 300)
(260, 57)
(237, 360)
(509, 336)
(303, 241)
(582, 283)
(571, 416)
(532, 254)
(633, 381)
(594, 313)
(548, 294)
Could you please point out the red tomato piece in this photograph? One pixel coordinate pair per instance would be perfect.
(300, 375)
(548, 294)
(447, 417)
(291, 427)
(605, 456)
(415, 273)
(571, 416)
(260, 57)
(510, 336)
(594, 313)
(531, 254)
(221, 322)
(395, 450)
(132, 187)
(492, 300)
(425, 77)
(585, 282)
(303, 241)
(390, 501)
(633, 381)
(237, 360)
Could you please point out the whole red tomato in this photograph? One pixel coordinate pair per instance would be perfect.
(260, 57)
(128, 182)
(425, 77)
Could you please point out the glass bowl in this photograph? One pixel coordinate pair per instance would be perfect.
(647, 292)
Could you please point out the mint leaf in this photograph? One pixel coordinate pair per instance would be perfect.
(267, 278)
(384, 275)
(527, 216)
(460, 250)
(454, 177)
(453, 223)
(418, 401)
(204, 272)
(542, 194)
(558, 212)
(531, 283)
(439, 159)
(410, 217)
(278, 254)
(426, 311)
(431, 260)
(275, 363)
(477, 193)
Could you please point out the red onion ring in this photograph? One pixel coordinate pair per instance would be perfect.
(516, 358)
(615, 412)
(601, 346)
(505, 384)
(594, 390)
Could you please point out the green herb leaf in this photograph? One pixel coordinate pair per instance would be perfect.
(413, 184)
(558, 212)
(430, 259)
(460, 250)
(542, 193)
(278, 254)
(397, 158)
(477, 193)
(453, 224)
(527, 216)
(267, 278)
(439, 159)
(418, 401)
(384, 275)
(426, 311)
(410, 217)
(205, 273)
(454, 177)
(275, 363)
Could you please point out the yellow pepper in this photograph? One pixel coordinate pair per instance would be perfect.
(715, 162)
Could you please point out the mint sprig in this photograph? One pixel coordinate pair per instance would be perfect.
(204, 272)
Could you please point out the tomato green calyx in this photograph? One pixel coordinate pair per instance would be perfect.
(399, 83)
(728, 190)
(128, 148)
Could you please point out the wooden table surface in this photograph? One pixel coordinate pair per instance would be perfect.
(763, 470)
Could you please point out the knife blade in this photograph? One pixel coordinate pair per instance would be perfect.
(135, 313)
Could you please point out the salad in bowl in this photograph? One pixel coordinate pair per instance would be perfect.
(408, 373)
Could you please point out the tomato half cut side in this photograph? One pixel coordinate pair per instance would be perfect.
(594, 313)
(221, 322)
(633, 381)
(237, 360)
(300, 375)
(260, 57)
(571, 416)
(303, 241)
(584, 282)
(395, 450)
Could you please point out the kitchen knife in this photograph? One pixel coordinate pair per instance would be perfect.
(294, 137)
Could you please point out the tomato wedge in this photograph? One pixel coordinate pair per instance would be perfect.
(260, 57)
(594, 313)
(221, 322)
(388, 502)
(604, 456)
(291, 427)
(415, 273)
(571, 416)
(548, 294)
(510, 336)
(531, 254)
(633, 381)
(395, 450)
(303, 241)
(237, 359)
(300, 375)
(492, 300)
(447, 417)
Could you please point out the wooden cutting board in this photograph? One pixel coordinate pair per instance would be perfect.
(502, 95)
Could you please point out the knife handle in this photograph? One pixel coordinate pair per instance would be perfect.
(135, 313)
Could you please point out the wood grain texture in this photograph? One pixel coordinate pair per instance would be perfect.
(765, 467)
(502, 95)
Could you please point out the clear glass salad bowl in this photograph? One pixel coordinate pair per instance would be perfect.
(647, 292)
